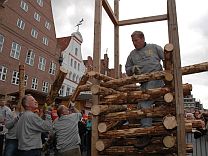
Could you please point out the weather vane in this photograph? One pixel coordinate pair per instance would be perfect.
(80, 23)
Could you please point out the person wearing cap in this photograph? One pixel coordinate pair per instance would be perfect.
(65, 129)
(145, 58)
(29, 128)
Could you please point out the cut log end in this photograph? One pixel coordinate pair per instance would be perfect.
(95, 109)
(168, 97)
(102, 127)
(169, 141)
(94, 89)
(100, 145)
(168, 76)
(169, 47)
(169, 122)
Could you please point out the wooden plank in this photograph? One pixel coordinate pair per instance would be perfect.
(116, 42)
(109, 11)
(143, 20)
(174, 39)
(96, 68)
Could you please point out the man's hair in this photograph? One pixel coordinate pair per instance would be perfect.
(60, 110)
(140, 34)
(24, 100)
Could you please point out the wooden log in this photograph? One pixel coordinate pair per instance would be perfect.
(168, 54)
(85, 87)
(169, 122)
(98, 90)
(56, 86)
(168, 97)
(195, 123)
(99, 76)
(138, 114)
(105, 126)
(103, 144)
(104, 109)
(21, 87)
(75, 94)
(169, 141)
(192, 69)
(133, 132)
(146, 95)
(131, 150)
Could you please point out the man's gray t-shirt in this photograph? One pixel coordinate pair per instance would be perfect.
(66, 132)
(147, 59)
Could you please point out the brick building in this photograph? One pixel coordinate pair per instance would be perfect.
(27, 36)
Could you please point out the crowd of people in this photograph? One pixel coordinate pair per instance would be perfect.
(37, 132)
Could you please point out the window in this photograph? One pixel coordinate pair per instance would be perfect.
(15, 51)
(37, 16)
(21, 24)
(45, 86)
(45, 40)
(15, 78)
(70, 74)
(30, 57)
(42, 63)
(74, 77)
(75, 64)
(71, 62)
(3, 72)
(76, 51)
(34, 84)
(78, 66)
(24, 5)
(77, 78)
(40, 2)
(34, 33)
(68, 89)
(1, 42)
(47, 25)
(61, 91)
(52, 68)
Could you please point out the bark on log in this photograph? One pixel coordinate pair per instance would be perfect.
(83, 81)
(21, 86)
(99, 76)
(104, 109)
(105, 126)
(169, 122)
(56, 85)
(98, 90)
(192, 69)
(131, 150)
(84, 88)
(169, 141)
(195, 123)
(138, 114)
(133, 132)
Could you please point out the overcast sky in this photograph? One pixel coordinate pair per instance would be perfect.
(192, 25)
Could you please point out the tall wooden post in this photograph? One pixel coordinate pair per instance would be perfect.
(96, 68)
(21, 86)
(174, 39)
(116, 41)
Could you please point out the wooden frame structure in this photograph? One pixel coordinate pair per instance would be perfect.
(171, 18)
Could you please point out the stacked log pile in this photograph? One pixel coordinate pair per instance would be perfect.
(119, 116)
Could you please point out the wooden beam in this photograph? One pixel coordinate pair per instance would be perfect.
(109, 11)
(143, 20)
(174, 39)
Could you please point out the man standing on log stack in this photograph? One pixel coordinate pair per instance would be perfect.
(145, 58)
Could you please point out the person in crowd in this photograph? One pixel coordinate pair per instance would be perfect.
(29, 128)
(66, 132)
(145, 58)
(4, 110)
(202, 130)
(89, 134)
(11, 143)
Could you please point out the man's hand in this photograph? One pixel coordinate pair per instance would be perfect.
(136, 70)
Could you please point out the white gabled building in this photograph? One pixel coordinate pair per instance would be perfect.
(72, 61)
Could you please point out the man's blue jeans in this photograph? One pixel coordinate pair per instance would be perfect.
(11, 147)
(147, 122)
